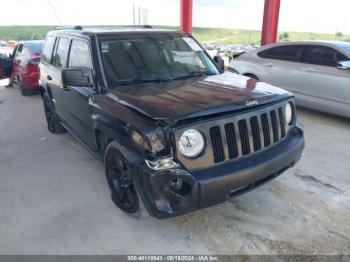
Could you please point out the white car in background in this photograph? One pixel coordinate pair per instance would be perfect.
(318, 73)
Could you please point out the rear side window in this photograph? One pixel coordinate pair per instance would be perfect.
(48, 48)
(25, 52)
(79, 55)
(325, 56)
(61, 55)
(287, 53)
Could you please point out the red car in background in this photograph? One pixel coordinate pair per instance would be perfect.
(23, 65)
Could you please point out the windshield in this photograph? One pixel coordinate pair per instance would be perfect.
(153, 58)
(37, 47)
(346, 48)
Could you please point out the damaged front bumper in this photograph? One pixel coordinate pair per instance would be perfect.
(172, 192)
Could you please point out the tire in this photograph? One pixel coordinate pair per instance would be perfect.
(123, 191)
(24, 92)
(53, 125)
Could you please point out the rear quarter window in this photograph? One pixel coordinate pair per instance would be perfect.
(48, 48)
(61, 55)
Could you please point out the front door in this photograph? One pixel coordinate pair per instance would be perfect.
(6, 61)
(76, 99)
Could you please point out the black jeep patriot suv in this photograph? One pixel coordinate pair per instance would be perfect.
(171, 127)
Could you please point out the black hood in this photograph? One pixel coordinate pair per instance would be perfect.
(195, 97)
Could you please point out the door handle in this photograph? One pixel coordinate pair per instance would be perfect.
(48, 77)
(310, 70)
(269, 64)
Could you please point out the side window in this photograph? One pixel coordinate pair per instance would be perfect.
(25, 52)
(325, 56)
(79, 55)
(19, 51)
(48, 48)
(61, 55)
(287, 53)
(265, 53)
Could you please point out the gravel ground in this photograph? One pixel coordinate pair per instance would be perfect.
(54, 198)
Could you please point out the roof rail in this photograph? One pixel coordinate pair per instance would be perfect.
(132, 26)
(76, 27)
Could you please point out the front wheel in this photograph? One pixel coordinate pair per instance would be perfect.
(122, 187)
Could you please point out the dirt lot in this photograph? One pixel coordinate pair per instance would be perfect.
(54, 198)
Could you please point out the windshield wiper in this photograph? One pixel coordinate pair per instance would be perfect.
(192, 75)
(140, 80)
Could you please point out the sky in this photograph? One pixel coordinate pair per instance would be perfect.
(296, 15)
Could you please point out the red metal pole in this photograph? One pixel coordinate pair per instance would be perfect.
(186, 16)
(270, 23)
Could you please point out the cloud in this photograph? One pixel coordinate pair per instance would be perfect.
(296, 15)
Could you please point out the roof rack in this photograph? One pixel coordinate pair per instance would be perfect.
(76, 27)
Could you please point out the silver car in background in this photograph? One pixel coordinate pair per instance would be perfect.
(318, 73)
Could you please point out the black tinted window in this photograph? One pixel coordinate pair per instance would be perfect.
(47, 52)
(161, 57)
(79, 55)
(287, 53)
(320, 55)
(60, 58)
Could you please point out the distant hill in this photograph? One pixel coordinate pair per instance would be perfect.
(219, 35)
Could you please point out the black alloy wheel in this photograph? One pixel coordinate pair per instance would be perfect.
(123, 190)
(53, 125)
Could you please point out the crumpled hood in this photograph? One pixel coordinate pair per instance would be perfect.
(182, 99)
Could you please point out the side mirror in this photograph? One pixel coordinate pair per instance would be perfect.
(75, 77)
(343, 65)
(220, 62)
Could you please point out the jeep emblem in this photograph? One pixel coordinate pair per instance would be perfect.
(252, 103)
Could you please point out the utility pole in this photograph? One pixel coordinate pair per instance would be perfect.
(139, 15)
(146, 14)
(142, 15)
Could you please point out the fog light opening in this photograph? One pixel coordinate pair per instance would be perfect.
(179, 186)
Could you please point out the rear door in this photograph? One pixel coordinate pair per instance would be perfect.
(20, 63)
(17, 59)
(322, 82)
(54, 77)
(282, 63)
(76, 99)
(46, 66)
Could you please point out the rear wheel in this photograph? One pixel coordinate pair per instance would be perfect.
(24, 91)
(122, 187)
(53, 125)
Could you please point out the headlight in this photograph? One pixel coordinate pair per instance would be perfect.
(191, 143)
(289, 114)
